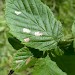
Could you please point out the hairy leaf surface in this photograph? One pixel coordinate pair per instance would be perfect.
(33, 23)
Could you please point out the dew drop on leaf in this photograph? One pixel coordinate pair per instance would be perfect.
(17, 12)
(26, 40)
(19, 61)
(38, 33)
(26, 30)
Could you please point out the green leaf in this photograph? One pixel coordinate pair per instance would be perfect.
(73, 29)
(73, 32)
(33, 23)
(57, 52)
(74, 44)
(22, 59)
(66, 63)
(12, 40)
(45, 66)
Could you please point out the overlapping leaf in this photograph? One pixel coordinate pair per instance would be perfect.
(33, 23)
(22, 59)
(45, 66)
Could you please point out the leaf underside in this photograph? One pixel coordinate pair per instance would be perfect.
(37, 17)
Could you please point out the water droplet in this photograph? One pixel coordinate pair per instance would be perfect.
(38, 33)
(17, 12)
(19, 61)
(26, 40)
(26, 30)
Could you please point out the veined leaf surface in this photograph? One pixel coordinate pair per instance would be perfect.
(21, 59)
(33, 23)
(45, 66)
